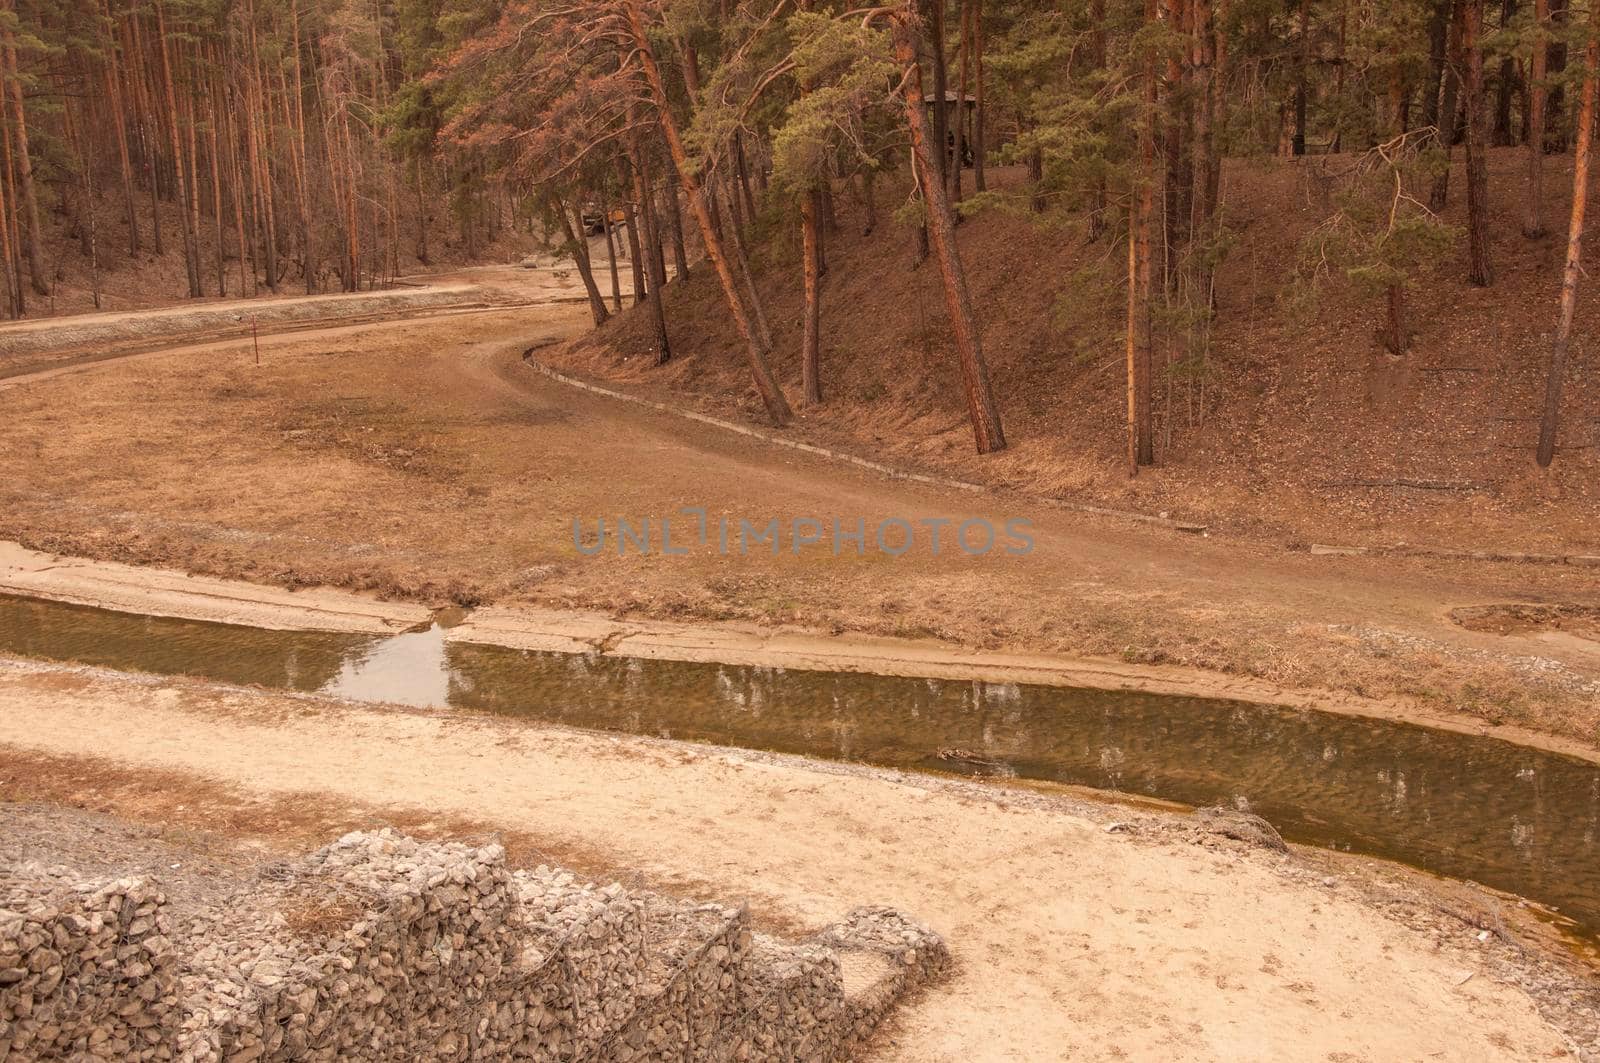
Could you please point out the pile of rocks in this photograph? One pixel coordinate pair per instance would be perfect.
(380, 947)
(375, 947)
(86, 968)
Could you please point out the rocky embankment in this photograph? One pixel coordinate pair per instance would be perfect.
(379, 947)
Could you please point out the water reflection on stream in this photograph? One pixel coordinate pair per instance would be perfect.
(1459, 805)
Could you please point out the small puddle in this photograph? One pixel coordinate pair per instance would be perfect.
(1516, 819)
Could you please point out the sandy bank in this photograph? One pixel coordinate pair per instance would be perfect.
(1071, 940)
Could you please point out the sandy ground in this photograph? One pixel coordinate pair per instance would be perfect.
(1072, 939)
(421, 460)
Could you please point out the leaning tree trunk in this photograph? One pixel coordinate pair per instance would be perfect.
(1533, 221)
(741, 265)
(981, 410)
(1551, 417)
(579, 242)
(1481, 272)
(760, 370)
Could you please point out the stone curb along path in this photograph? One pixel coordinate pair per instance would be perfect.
(1188, 527)
(850, 459)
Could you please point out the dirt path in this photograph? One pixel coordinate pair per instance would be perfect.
(421, 460)
(1072, 940)
(34, 349)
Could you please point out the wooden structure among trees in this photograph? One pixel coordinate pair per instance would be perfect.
(959, 122)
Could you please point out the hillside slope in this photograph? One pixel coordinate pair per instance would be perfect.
(1301, 430)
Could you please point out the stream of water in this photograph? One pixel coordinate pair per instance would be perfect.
(1464, 806)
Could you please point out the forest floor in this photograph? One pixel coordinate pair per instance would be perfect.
(1079, 929)
(1293, 423)
(423, 460)
(144, 280)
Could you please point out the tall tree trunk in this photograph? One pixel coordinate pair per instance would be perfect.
(743, 173)
(1336, 144)
(8, 263)
(1505, 84)
(1396, 331)
(644, 193)
(1098, 223)
(27, 198)
(1178, 160)
(760, 370)
(119, 121)
(8, 270)
(93, 234)
(680, 253)
(1555, 126)
(1301, 74)
(980, 136)
(1438, 63)
(422, 217)
(981, 410)
(14, 225)
(611, 257)
(297, 143)
(963, 61)
(236, 186)
(810, 334)
(941, 84)
(1533, 221)
(869, 201)
(1204, 168)
(1481, 272)
(631, 221)
(195, 195)
(216, 199)
(1550, 419)
(1439, 197)
(186, 193)
(1141, 429)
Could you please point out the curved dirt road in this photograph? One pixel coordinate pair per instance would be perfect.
(423, 460)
